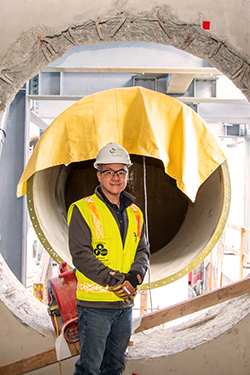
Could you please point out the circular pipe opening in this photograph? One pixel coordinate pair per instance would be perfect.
(181, 233)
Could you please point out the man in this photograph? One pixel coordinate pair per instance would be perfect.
(110, 251)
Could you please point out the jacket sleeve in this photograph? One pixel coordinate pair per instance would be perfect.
(80, 246)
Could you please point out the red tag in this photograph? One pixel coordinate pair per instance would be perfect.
(206, 25)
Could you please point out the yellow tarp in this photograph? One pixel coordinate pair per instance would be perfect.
(145, 122)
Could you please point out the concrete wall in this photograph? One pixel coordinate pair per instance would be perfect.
(225, 354)
(35, 33)
(209, 343)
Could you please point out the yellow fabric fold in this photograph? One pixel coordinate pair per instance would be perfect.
(145, 122)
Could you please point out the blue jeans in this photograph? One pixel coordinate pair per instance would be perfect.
(104, 337)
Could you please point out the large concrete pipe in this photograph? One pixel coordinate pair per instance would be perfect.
(179, 175)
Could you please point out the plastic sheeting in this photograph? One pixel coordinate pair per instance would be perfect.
(145, 122)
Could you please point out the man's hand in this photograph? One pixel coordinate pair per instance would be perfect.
(117, 278)
(125, 291)
(125, 284)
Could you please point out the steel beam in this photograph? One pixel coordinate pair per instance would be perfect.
(12, 225)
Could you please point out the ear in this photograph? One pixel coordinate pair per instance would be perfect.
(99, 176)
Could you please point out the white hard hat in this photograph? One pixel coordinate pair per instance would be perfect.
(112, 153)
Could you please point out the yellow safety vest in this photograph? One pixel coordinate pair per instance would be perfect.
(107, 244)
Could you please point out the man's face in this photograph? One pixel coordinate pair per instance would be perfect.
(113, 184)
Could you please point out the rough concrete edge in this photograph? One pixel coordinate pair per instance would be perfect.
(197, 330)
(22, 304)
(37, 48)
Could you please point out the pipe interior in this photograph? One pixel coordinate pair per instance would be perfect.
(178, 229)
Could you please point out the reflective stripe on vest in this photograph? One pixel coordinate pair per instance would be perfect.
(95, 218)
(138, 219)
(92, 287)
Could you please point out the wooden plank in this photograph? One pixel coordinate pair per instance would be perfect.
(196, 304)
(143, 302)
(209, 281)
(231, 250)
(235, 252)
(241, 251)
(43, 267)
(180, 83)
(36, 361)
(235, 227)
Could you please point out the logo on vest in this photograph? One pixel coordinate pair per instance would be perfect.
(100, 250)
